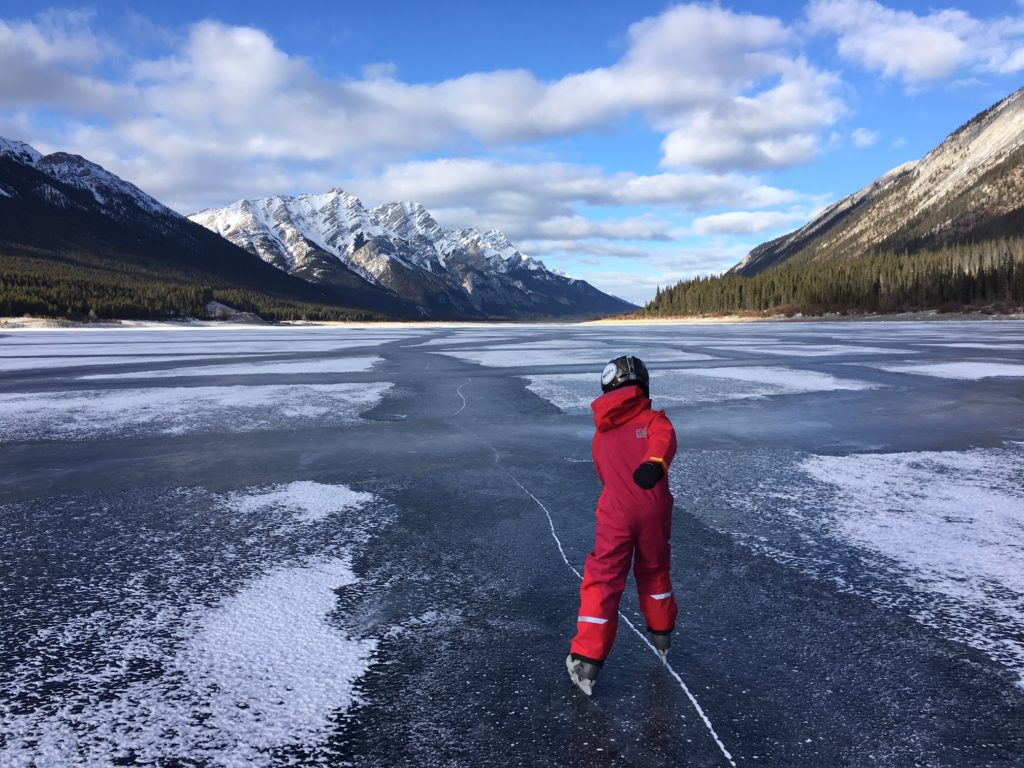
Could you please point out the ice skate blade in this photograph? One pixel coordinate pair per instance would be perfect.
(585, 685)
(664, 657)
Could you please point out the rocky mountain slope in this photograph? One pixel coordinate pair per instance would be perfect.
(331, 239)
(64, 219)
(968, 189)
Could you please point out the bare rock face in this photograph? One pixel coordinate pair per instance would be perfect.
(970, 187)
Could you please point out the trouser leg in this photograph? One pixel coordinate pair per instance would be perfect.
(604, 578)
(651, 568)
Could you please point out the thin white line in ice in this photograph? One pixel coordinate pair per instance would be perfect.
(682, 684)
(458, 391)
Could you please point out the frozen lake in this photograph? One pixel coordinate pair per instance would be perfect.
(332, 546)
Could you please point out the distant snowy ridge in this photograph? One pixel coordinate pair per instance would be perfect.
(399, 247)
(286, 228)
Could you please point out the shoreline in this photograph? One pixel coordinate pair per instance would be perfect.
(42, 323)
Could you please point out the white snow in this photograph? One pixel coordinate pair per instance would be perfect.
(20, 151)
(226, 679)
(952, 522)
(31, 363)
(809, 350)
(305, 500)
(185, 347)
(337, 365)
(977, 345)
(84, 414)
(514, 356)
(573, 392)
(269, 668)
(966, 370)
(264, 668)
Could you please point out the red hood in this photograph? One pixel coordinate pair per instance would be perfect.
(619, 406)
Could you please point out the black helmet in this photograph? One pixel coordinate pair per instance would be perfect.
(623, 371)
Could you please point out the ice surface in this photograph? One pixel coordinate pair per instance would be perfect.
(573, 392)
(515, 356)
(84, 414)
(305, 500)
(810, 350)
(268, 667)
(71, 361)
(967, 370)
(335, 365)
(953, 524)
(158, 668)
(183, 347)
(978, 345)
(936, 535)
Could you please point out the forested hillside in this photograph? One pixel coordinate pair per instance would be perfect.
(989, 274)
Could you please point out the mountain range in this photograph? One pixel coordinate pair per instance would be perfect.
(333, 240)
(969, 189)
(75, 238)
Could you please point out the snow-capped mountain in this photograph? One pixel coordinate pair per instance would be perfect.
(112, 194)
(969, 188)
(329, 250)
(333, 239)
(81, 236)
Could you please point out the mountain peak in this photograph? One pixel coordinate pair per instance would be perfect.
(968, 188)
(400, 248)
(20, 151)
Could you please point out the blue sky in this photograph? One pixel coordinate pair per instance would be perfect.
(630, 144)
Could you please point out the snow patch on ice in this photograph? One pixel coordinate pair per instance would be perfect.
(81, 415)
(810, 350)
(262, 670)
(306, 500)
(153, 667)
(30, 363)
(573, 392)
(561, 354)
(934, 535)
(976, 345)
(953, 522)
(964, 370)
(267, 665)
(337, 365)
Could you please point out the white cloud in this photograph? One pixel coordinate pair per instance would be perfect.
(864, 137)
(665, 270)
(228, 96)
(746, 222)
(919, 48)
(50, 63)
(778, 127)
(541, 201)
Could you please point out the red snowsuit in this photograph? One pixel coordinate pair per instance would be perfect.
(630, 521)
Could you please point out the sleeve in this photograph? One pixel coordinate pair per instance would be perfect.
(597, 465)
(661, 440)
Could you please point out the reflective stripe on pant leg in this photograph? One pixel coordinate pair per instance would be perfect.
(604, 578)
(652, 567)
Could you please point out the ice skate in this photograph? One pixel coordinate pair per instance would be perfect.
(582, 673)
(661, 641)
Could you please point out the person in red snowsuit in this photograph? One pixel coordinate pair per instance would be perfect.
(633, 449)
